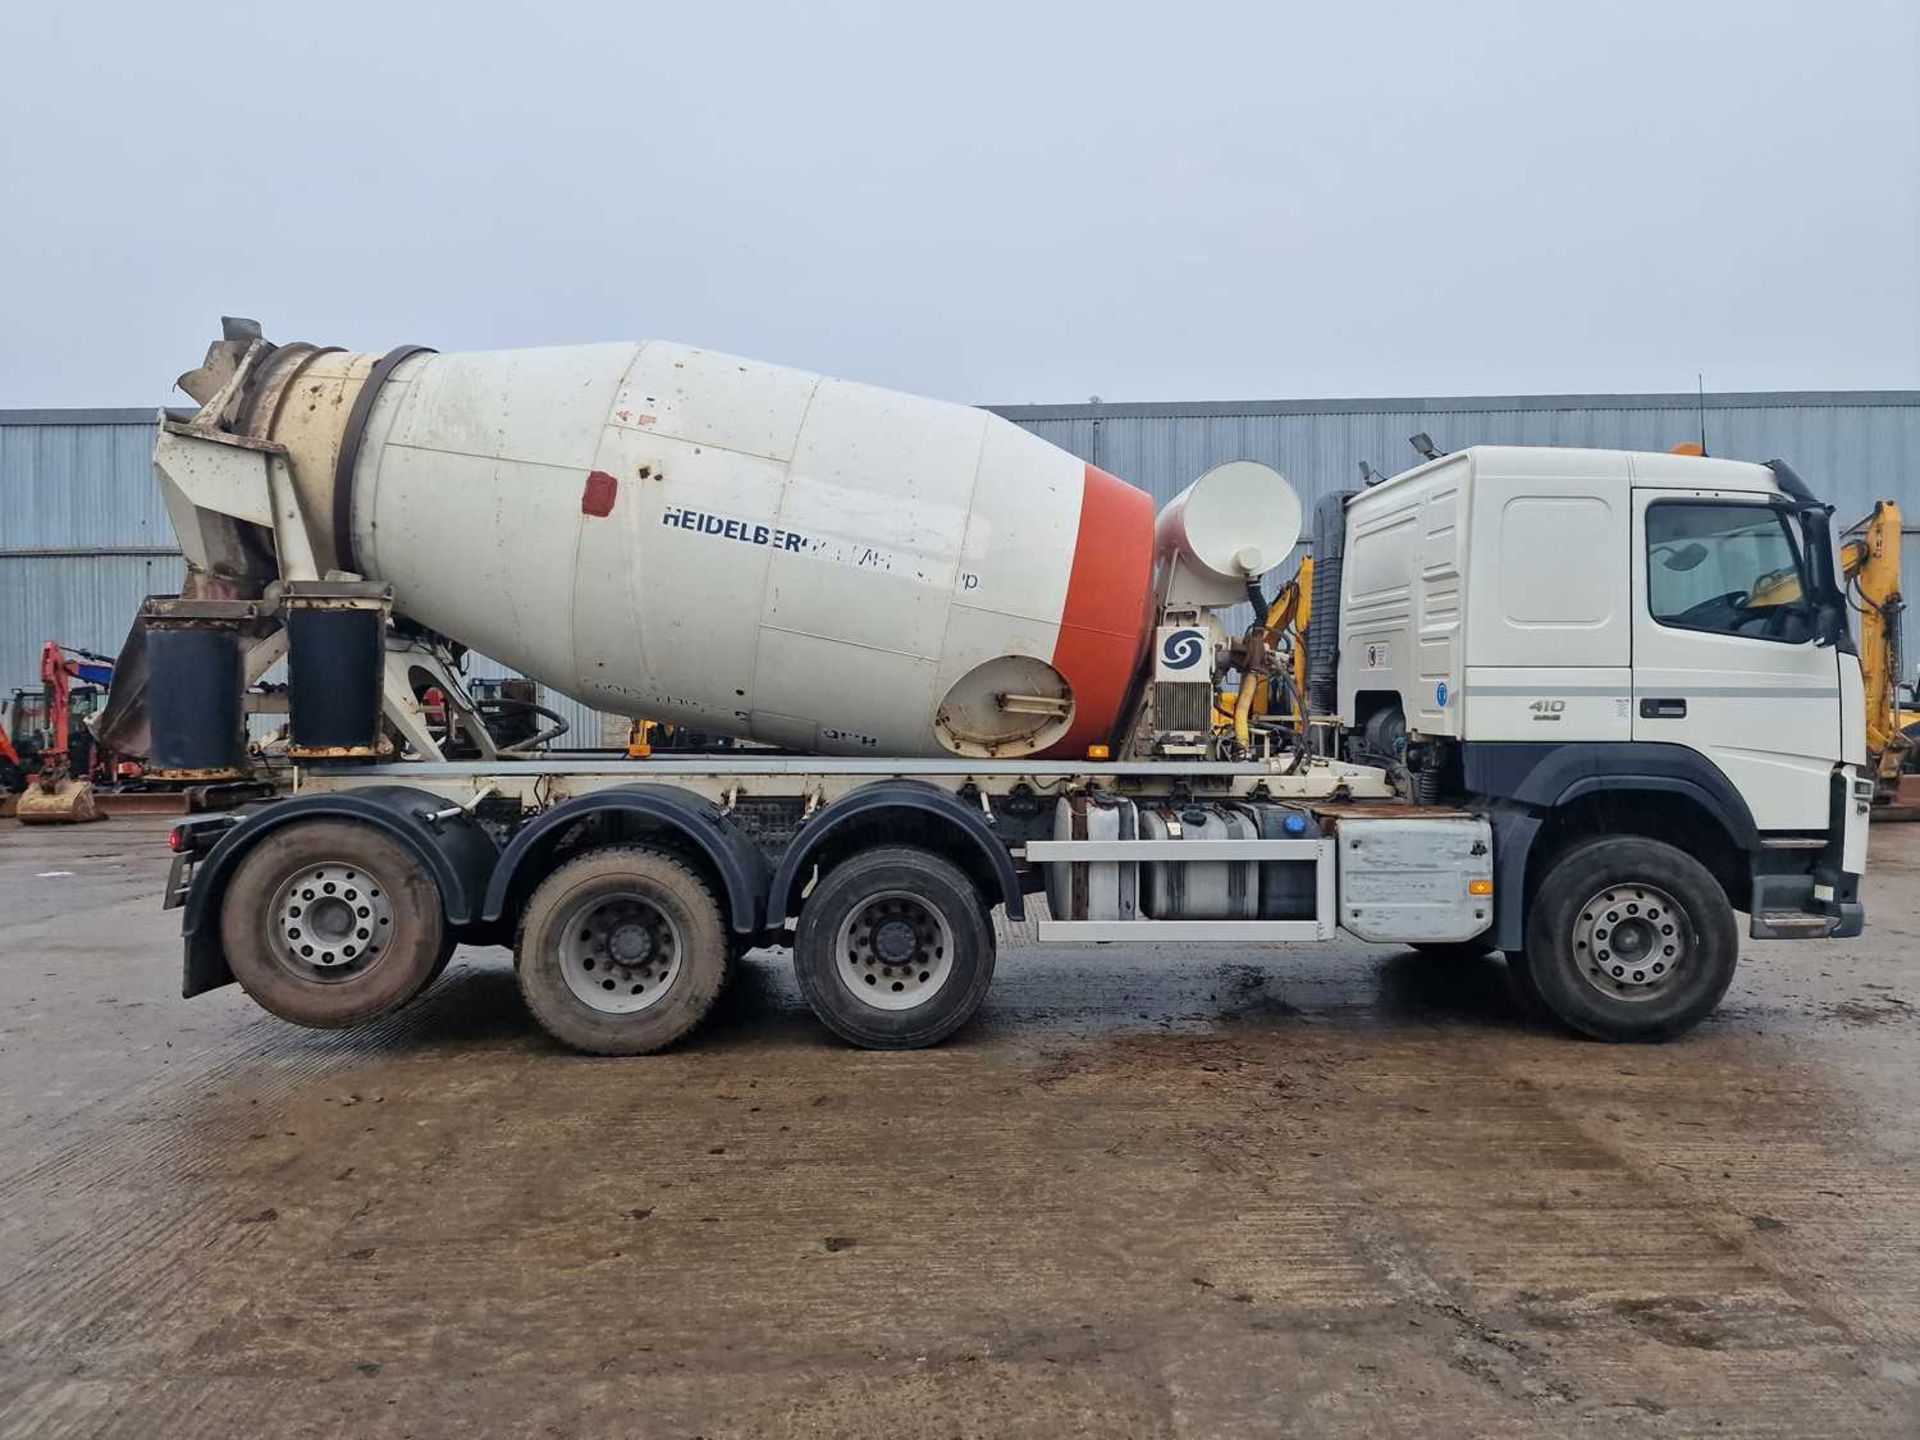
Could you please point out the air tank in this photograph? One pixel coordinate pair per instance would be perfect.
(665, 531)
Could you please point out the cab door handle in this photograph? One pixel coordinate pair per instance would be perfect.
(1665, 707)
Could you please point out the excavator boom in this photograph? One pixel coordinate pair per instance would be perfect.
(1870, 562)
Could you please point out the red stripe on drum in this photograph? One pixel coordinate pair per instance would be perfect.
(1108, 615)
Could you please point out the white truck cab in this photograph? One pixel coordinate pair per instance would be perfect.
(1662, 628)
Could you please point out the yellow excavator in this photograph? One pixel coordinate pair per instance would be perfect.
(1870, 561)
(1870, 567)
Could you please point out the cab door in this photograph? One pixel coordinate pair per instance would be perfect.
(1724, 655)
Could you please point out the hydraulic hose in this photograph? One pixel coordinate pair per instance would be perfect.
(1259, 648)
(557, 726)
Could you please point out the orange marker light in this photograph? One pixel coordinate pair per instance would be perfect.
(1099, 752)
(1479, 887)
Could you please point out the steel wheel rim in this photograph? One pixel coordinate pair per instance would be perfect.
(332, 921)
(1632, 942)
(894, 951)
(619, 953)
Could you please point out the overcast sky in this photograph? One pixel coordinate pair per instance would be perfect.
(990, 203)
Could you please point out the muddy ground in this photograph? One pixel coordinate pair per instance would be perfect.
(1338, 1190)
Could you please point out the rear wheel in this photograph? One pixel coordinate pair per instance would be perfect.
(895, 950)
(330, 923)
(622, 951)
(1630, 939)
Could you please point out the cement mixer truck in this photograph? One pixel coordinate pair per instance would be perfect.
(1552, 702)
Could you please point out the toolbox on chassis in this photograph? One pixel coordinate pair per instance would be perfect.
(1577, 706)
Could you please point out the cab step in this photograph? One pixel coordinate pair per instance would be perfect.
(1790, 925)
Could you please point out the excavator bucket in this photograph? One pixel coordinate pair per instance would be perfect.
(65, 802)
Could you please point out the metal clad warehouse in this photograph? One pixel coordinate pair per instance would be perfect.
(84, 536)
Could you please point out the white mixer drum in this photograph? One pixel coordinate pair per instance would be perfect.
(663, 531)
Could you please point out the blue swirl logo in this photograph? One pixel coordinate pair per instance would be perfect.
(1182, 650)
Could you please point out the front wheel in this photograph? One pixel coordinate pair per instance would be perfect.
(1630, 939)
(895, 949)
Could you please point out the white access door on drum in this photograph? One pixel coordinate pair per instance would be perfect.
(1724, 658)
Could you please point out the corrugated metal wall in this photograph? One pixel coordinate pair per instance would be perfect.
(83, 533)
(84, 536)
(1851, 447)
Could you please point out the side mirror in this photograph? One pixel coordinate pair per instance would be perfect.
(1829, 599)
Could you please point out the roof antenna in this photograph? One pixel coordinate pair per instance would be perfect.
(1700, 376)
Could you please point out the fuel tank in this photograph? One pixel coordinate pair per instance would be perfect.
(666, 531)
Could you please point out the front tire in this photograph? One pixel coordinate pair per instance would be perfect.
(622, 951)
(1630, 939)
(895, 950)
(329, 923)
